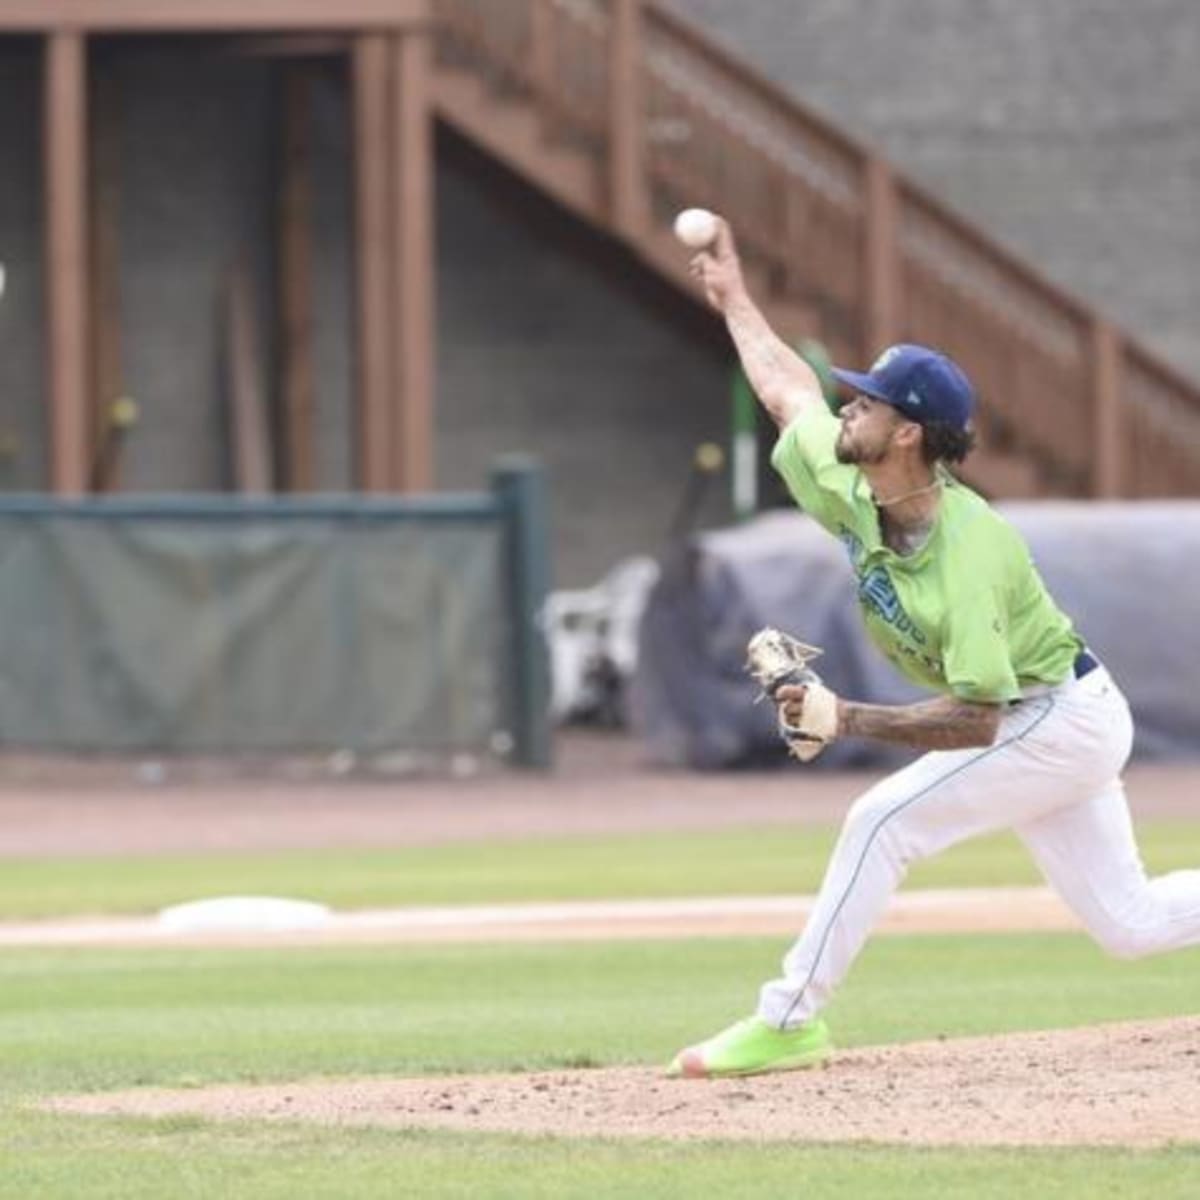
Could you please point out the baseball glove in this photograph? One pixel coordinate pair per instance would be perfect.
(807, 726)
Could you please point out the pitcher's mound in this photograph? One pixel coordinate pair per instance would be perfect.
(1135, 1084)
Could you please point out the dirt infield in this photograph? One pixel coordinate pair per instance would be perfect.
(600, 785)
(1130, 1084)
(943, 910)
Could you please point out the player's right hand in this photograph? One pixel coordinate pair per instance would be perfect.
(718, 268)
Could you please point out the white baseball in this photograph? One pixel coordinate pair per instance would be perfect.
(696, 227)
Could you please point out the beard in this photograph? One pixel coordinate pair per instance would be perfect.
(847, 453)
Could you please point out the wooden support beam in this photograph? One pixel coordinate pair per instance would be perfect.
(797, 285)
(65, 224)
(373, 255)
(162, 16)
(626, 126)
(541, 53)
(295, 301)
(252, 452)
(881, 260)
(1108, 449)
(412, 264)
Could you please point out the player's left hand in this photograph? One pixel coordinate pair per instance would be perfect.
(808, 718)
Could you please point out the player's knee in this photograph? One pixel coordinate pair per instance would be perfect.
(876, 822)
(875, 809)
(864, 820)
(1128, 940)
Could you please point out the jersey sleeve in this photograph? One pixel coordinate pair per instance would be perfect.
(804, 457)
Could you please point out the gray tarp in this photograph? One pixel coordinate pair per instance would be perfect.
(1127, 574)
(358, 629)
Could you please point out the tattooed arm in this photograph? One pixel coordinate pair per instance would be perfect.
(781, 379)
(945, 723)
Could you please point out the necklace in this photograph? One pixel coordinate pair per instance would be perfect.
(905, 541)
(921, 491)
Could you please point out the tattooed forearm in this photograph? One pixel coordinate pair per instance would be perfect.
(781, 379)
(946, 723)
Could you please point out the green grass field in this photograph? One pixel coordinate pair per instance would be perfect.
(97, 1019)
(101, 1019)
(733, 862)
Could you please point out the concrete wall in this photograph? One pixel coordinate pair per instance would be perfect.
(1070, 129)
(334, 428)
(196, 161)
(553, 344)
(197, 143)
(22, 427)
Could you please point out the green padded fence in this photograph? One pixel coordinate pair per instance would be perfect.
(225, 625)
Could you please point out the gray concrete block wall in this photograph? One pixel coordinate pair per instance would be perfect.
(23, 443)
(1070, 129)
(553, 343)
(196, 151)
(334, 427)
(200, 151)
(197, 161)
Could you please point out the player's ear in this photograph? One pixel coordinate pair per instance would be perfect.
(909, 434)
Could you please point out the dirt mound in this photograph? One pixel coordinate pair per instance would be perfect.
(1133, 1084)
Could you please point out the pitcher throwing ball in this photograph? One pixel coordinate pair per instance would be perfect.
(1027, 730)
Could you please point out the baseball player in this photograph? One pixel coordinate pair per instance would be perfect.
(1027, 731)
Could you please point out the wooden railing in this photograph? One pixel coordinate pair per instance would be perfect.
(859, 255)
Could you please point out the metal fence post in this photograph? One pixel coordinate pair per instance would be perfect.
(520, 489)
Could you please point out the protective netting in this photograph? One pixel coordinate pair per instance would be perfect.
(361, 627)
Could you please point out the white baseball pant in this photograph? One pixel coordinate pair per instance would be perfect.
(1052, 775)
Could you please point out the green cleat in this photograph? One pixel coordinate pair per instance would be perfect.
(752, 1047)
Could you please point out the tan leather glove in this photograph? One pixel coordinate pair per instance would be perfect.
(808, 720)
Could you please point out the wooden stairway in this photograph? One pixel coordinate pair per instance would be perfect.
(624, 113)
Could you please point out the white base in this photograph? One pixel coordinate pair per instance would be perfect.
(257, 914)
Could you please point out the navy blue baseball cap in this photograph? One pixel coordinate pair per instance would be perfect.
(920, 383)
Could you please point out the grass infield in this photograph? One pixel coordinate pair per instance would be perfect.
(90, 1019)
(755, 861)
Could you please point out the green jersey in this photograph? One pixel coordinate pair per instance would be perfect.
(967, 613)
